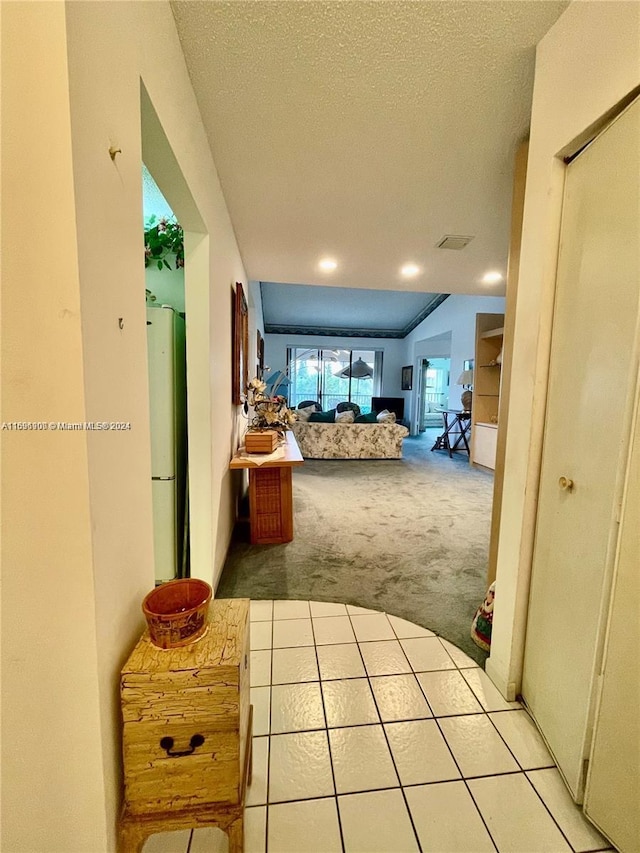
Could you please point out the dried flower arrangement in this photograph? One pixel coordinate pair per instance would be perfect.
(270, 411)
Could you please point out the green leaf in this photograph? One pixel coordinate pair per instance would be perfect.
(169, 240)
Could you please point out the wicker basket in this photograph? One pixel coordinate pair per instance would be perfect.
(176, 612)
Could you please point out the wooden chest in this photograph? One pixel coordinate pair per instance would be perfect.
(261, 441)
(186, 717)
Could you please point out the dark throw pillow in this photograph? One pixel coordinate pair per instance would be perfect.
(323, 417)
(346, 407)
(369, 418)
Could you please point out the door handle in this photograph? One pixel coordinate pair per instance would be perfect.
(565, 483)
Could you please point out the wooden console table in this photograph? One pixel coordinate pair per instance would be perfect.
(271, 494)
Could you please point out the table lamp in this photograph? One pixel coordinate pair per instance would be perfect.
(466, 380)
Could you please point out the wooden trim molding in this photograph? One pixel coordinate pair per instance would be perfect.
(517, 213)
(240, 362)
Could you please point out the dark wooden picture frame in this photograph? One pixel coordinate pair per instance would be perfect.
(260, 353)
(240, 366)
(407, 378)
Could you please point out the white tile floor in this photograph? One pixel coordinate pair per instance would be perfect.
(372, 735)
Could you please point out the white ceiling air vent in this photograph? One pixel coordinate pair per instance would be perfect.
(451, 241)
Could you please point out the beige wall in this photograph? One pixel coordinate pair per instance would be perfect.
(51, 752)
(588, 61)
(78, 505)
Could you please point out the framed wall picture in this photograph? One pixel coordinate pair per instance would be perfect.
(407, 378)
(240, 361)
(260, 353)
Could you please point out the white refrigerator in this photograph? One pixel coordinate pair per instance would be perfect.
(167, 403)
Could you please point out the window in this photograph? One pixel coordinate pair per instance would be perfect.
(333, 376)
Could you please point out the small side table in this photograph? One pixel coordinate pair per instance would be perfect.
(271, 494)
(457, 426)
(135, 829)
(187, 729)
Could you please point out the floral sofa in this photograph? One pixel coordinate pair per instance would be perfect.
(349, 440)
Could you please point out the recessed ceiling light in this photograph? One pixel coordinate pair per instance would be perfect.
(328, 264)
(492, 277)
(409, 270)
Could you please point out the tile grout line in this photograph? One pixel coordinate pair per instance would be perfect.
(410, 785)
(407, 785)
(464, 780)
(324, 711)
(453, 668)
(521, 770)
(384, 732)
(455, 761)
(510, 751)
(554, 767)
(540, 797)
(524, 773)
(442, 735)
(515, 757)
(266, 793)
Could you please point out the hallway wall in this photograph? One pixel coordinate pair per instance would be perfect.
(587, 62)
(78, 551)
(456, 316)
(53, 791)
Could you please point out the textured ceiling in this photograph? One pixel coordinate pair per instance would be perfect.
(153, 202)
(366, 131)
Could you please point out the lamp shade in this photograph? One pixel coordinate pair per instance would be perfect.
(358, 370)
(465, 378)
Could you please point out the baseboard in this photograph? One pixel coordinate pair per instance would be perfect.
(506, 688)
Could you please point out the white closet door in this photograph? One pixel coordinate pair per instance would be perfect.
(613, 785)
(585, 438)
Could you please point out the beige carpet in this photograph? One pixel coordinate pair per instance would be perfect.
(409, 537)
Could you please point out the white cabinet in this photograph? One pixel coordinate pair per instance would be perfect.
(485, 437)
(486, 389)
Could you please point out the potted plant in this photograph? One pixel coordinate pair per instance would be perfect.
(163, 237)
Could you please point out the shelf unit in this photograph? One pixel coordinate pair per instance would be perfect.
(486, 389)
